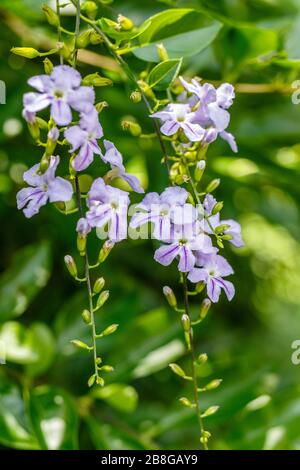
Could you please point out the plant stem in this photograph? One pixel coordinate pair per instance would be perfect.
(61, 59)
(79, 203)
(191, 349)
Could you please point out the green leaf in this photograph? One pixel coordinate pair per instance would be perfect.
(31, 346)
(15, 429)
(27, 275)
(54, 418)
(183, 32)
(120, 396)
(163, 74)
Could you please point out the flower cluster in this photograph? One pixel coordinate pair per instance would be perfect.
(201, 113)
(185, 232)
(63, 92)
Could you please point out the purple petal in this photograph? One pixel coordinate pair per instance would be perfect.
(227, 286)
(133, 182)
(65, 77)
(82, 100)
(60, 190)
(166, 254)
(112, 155)
(223, 267)
(42, 83)
(35, 102)
(170, 127)
(225, 95)
(230, 139)
(219, 116)
(197, 275)
(83, 227)
(32, 177)
(194, 132)
(76, 137)
(162, 227)
(174, 195)
(187, 259)
(99, 216)
(213, 290)
(118, 225)
(84, 158)
(33, 199)
(61, 112)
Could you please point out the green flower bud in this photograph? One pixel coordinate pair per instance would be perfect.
(44, 163)
(94, 79)
(51, 15)
(217, 207)
(177, 369)
(205, 306)
(200, 167)
(90, 8)
(125, 23)
(213, 384)
(48, 66)
(81, 244)
(99, 284)
(27, 52)
(186, 402)
(91, 380)
(107, 368)
(170, 296)
(210, 411)
(213, 185)
(100, 106)
(83, 39)
(42, 123)
(162, 52)
(34, 129)
(221, 228)
(100, 381)
(109, 330)
(200, 286)
(105, 251)
(95, 38)
(71, 265)
(133, 127)
(227, 237)
(136, 96)
(146, 89)
(102, 298)
(202, 359)
(186, 323)
(204, 437)
(86, 316)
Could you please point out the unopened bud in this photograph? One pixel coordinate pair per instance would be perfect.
(42, 123)
(170, 296)
(146, 89)
(34, 129)
(200, 286)
(217, 207)
(227, 237)
(48, 66)
(90, 8)
(162, 52)
(133, 127)
(202, 359)
(221, 228)
(100, 106)
(99, 284)
(213, 384)
(186, 323)
(105, 251)
(94, 79)
(125, 23)
(200, 167)
(205, 435)
(102, 298)
(213, 185)
(71, 265)
(86, 316)
(27, 52)
(109, 330)
(107, 368)
(136, 96)
(81, 244)
(95, 38)
(190, 155)
(83, 40)
(53, 136)
(44, 163)
(51, 15)
(205, 306)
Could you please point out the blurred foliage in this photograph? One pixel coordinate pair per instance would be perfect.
(44, 401)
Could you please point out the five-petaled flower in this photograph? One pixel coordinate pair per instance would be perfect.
(43, 188)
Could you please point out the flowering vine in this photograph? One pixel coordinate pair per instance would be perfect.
(185, 218)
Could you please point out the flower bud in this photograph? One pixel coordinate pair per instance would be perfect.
(27, 52)
(221, 228)
(170, 296)
(51, 15)
(186, 402)
(186, 323)
(200, 286)
(210, 411)
(109, 330)
(213, 185)
(100, 381)
(125, 23)
(42, 123)
(162, 52)
(205, 435)
(95, 38)
(200, 167)
(99, 284)
(48, 66)
(44, 163)
(133, 127)
(107, 368)
(83, 39)
(146, 89)
(190, 156)
(202, 358)
(34, 129)
(90, 8)
(71, 265)
(100, 106)
(217, 207)
(53, 136)
(86, 316)
(102, 298)
(205, 306)
(94, 79)
(213, 384)
(81, 244)
(105, 251)
(136, 96)
(227, 237)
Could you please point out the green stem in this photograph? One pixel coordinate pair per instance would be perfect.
(193, 364)
(79, 203)
(61, 59)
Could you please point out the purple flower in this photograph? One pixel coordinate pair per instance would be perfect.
(211, 269)
(159, 209)
(108, 205)
(83, 227)
(43, 188)
(62, 91)
(185, 243)
(214, 221)
(179, 116)
(205, 93)
(84, 137)
(115, 159)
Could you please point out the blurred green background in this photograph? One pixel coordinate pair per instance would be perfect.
(44, 400)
